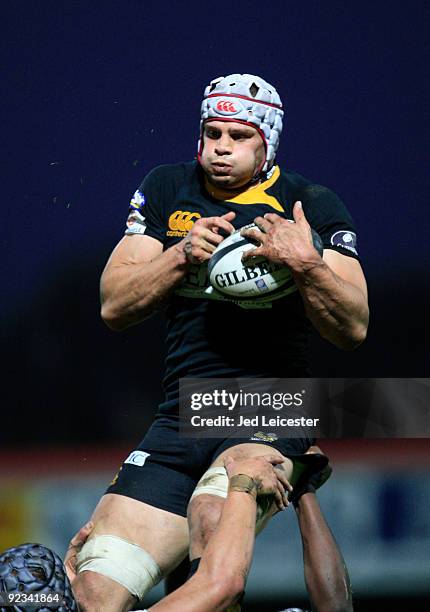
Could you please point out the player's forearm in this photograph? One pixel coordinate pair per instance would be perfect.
(224, 566)
(336, 308)
(326, 576)
(131, 292)
(233, 539)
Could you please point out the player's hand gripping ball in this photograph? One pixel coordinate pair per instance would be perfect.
(259, 279)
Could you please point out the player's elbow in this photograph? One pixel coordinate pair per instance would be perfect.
(112, 318)
(350, 338)
(226, 589)
(356, 337)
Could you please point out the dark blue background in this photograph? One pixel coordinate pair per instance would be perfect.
(96, 94)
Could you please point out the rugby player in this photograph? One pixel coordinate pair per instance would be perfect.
(218, 584)
(178, 216)
(227, 558)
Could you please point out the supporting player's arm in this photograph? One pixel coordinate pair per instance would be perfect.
(333, 287)
(326, 576)
(222, 573)
(139, 276)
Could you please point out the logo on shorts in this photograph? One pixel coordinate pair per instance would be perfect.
(346, 240)
(226, 107)
(180, 222)
(260, 436)
(137, 457)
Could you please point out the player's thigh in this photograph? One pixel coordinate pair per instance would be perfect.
(249, 450)
(205, 507)
(162, 534)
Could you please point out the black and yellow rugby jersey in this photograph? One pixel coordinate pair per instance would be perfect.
(208, 335)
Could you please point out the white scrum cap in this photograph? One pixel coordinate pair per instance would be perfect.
(245, 98)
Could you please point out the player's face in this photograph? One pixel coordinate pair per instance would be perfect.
(232, 153)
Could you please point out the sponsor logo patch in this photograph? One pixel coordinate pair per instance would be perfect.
(227, 107)
(345, 239)
(135, 223)
(261, 285)
(265, 437)
(137, 457)
(180, 222)
(138, 200)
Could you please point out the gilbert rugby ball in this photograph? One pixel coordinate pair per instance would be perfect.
(258, 278)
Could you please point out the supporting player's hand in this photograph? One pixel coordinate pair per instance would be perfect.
(204, 237)
(270, 481)
(75, 546)
(284, 242)
(309, 484)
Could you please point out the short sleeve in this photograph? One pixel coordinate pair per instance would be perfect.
(327, 214)
(147, 207)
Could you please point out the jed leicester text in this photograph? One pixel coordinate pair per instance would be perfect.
(255, 421)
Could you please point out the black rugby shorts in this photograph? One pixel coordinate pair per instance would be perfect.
(165, 468)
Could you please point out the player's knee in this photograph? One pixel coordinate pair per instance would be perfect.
(204, 513)
(90, 589)
(109, 564)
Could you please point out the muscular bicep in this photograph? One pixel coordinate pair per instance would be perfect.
(134, 249)
(348, 268)
(129, 251)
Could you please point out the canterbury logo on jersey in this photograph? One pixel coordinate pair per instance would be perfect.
(180, 222)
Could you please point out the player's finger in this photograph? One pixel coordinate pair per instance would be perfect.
(206, 243)
(284, 496)
(272, 217)
(201, 255)
(195, 254)
(221, 223)
(283, 478)
(273, 459)
(229, 216)
(212, 236)
(279, 499)
(82, 535)
(298, 213)
(253, 234)
(205, 240)
(252, 253)
(263, 224)
(208, 233)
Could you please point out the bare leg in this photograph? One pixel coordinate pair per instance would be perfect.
(163, 535)
(204, 510)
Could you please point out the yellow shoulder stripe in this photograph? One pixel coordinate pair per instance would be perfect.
(258, 195)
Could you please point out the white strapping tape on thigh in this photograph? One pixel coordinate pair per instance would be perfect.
(215, 482)
(121, 561)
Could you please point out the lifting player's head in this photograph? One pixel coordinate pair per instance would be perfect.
(37, 572)
(240, 124)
